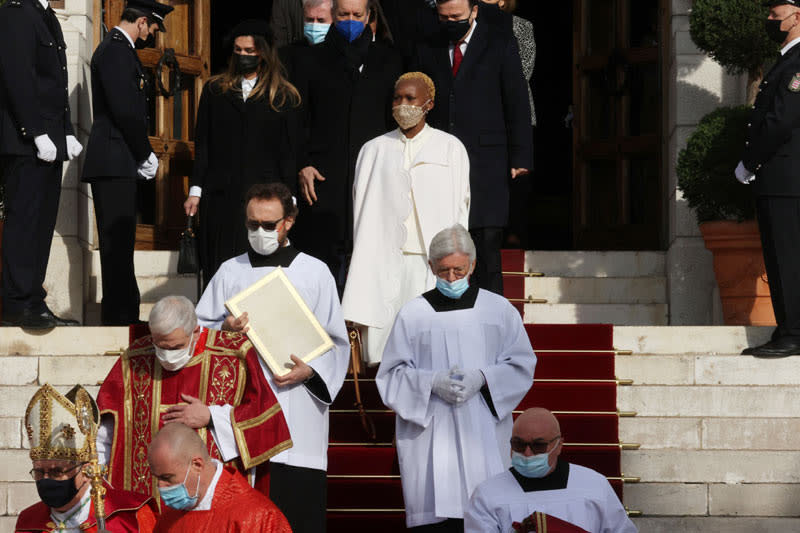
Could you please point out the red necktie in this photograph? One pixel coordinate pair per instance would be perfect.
(458, 56)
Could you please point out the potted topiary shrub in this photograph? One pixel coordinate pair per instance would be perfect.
(726, 211)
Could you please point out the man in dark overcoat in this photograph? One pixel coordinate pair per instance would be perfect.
(36, 137)
(347, 85)
(482, 100)
(770, 162)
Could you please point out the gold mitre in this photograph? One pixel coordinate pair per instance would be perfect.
(61, 427)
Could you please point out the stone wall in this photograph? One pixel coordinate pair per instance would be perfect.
(695, 86)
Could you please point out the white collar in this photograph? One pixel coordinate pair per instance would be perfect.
(471, 32)
(73, 517)
(126, 35)
(418, 137)
(208, 498)
(250, 83)
(45, 3)
(789, 46)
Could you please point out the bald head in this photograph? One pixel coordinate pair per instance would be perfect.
(178, 442)
(536, 423)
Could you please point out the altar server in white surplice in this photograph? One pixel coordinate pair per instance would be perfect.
(297, 475)
(410, 184)
(541, 488)
(458, 361)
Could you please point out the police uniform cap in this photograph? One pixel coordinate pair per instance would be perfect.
(152, 9)
(251, 27)
(773, 3)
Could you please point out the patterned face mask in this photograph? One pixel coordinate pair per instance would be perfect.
(407, 116)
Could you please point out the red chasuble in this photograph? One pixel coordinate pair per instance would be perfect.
(224, 369)
(542, 523)
(125, 512)
(235, 507)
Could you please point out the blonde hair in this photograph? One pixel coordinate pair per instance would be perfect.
(420, 76)
(271, 78)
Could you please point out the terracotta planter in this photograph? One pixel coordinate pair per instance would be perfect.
(741, 276)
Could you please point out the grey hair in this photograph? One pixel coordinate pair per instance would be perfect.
(453, 240)
(310, 4)
(171, 313)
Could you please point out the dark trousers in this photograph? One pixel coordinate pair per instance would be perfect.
(451, 525)
(779, 223)
(115, 210)
(32, 190)
(301, 494)
(489, 270)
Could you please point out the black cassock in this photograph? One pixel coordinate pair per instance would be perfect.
(343, 109)
(238, 143)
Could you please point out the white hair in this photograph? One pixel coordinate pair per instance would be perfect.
(453, 240)
(171, 313)
(310, 4)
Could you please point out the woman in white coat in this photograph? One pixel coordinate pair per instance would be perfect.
(410, 184)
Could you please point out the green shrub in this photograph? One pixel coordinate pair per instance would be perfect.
(706, 167)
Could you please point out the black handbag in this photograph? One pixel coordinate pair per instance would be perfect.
(188, 257)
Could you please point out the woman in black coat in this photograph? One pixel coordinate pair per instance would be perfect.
(247, 125)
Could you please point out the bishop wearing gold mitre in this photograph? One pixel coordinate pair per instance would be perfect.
(206, 379)
(60, 435)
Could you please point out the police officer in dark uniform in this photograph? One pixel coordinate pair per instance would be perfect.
(119, 151)
(771, 162)
(36, 137)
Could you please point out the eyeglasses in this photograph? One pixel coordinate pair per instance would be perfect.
(253, 225)
(537, 446)
(53, 473)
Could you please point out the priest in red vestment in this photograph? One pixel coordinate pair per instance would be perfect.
(203, 496)
(59, 449)
(208, 380)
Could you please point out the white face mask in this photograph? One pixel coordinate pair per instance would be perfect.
(173, 360)
(263, 242)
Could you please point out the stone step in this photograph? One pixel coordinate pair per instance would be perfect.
(597, 264)
(649, 290)
(777, 401)
(617, 314)
(152, 289)
(690, 339)
(709, 524)
(690, 369)
(146, 263)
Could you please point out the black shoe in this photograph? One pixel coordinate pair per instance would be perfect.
(31, 320)
(61, 321)
(782, 347)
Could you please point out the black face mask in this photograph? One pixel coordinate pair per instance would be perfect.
(150, 42)
(774, 31)
(455, 30)
(55, 493)
(247, 64)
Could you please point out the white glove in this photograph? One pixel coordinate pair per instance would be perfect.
(148, 169)
(46, 149)
(74, 148)
(471, 380)
(744, 175)
(446, 387)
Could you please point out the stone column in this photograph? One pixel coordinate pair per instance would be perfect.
(65, 272)
(696, 85)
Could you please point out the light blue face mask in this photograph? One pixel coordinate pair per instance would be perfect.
(178, 497)
(535, 466)
(315, 32)
(351, 29)
(455, 289)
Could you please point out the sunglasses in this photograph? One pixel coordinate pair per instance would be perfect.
(253, 225)
(536, 446)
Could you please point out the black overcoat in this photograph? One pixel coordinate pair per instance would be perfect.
(486, 107)
(34, 95)
(343, 109)
(118, 142)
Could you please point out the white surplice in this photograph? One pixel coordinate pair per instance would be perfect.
(446, 450)
(588, 502)
(306, 414)
(405, 192)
